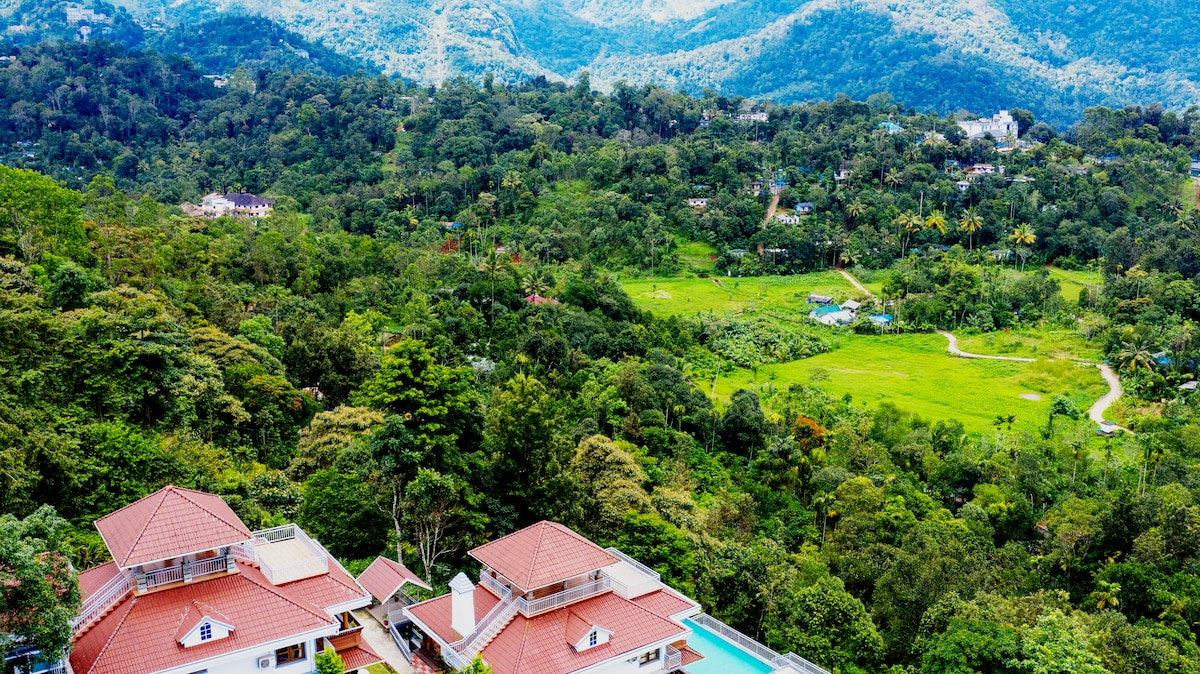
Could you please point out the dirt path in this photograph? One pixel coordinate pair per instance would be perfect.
(771, 210)
(1096, 413)
(954, 350)
(854, 282)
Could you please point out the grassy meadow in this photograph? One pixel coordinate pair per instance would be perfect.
(915, 373)
(690, 295)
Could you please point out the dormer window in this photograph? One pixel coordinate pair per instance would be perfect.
(201, 624)
(583, 634)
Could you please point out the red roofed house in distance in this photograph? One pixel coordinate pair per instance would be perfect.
(549, 601)
(192, 589)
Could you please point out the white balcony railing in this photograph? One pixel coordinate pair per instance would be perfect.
(565, 597)
(152, 579)
(642, 568)
(673, 660)
(207, 566)
(104, 598)
(492, 583)
(316, 564)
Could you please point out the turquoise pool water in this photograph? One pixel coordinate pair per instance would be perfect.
(720, 656)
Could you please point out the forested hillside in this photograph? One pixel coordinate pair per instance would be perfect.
(370, 362)
(1056, 58)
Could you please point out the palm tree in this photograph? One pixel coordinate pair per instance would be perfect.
(1023, 236)
(1004, 420)
(936, 220)
(894, 178)
(535, 285)
(911, 223)
(1106, 595)
(856, 209)
(1135, 354)
(970, 223)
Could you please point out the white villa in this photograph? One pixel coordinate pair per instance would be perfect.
(549, 601)
(191, 589)
(999, 126)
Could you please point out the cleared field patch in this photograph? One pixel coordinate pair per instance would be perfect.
(1032, 343)
(915, 373)
(720, 294)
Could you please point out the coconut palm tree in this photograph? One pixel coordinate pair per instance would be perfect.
(936, 220)
(970, 223)
(1023, 236)
(1135, 354)
(856, 209)
(894, 178)
(911, 224)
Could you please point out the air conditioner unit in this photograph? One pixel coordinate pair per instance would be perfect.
(265, 662)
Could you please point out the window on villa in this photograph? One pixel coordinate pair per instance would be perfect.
(289, 654)
(647, 658)
(205, 631)
(593, 638)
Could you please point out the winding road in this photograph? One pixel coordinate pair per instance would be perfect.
(954, 350)
(1096, 413)
(1097, 410)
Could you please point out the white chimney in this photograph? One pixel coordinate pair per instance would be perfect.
(462, 606)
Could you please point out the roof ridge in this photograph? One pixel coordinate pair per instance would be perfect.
(275, 589)
(536, 548)
(135, 502)
(145, 524)
(206, 509)
(112, 635)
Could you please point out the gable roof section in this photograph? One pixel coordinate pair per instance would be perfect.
(171, 522)
(195, 614)
(384, 577)
(541, 554)
(539, 645)
(139, 636)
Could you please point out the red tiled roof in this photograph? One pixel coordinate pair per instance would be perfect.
(384, 577)
(139, 636)
(688, 656)
(171, 522)
(329, 589)
(577, 628)
(357, 657)
(665, 603)
(539, 645)
(94, 578)
(435, 613)
(192, 615)
(541, 554)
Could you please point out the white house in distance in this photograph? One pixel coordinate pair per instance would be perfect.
(235, 204)
(191, 589)
(1000, 125)
(549, 601)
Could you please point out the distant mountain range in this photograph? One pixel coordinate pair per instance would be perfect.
(1053, 56)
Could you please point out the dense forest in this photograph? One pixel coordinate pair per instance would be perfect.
(364, 361)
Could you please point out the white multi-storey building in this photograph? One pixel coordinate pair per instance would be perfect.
(191, 589)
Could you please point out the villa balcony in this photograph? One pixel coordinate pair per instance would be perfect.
(284, 554)
(185, 572)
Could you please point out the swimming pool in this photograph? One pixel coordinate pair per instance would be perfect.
(720, 656)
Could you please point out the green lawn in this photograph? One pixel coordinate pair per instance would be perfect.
(696, 256)
(719, 294)
(1033, 343)
(915, 373)
(1074, 281)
